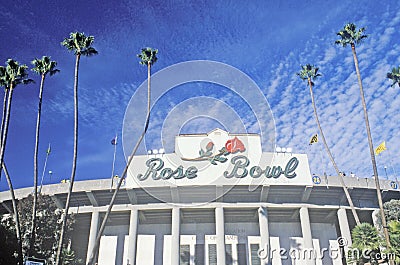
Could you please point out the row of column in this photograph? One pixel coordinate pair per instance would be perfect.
(220, 233)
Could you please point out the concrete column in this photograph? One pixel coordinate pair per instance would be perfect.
(94, 223)
(344, 227)
(132, 242)
(264, 235)
(375, 215)
(220, 234)
(306, 231)
(175, 236)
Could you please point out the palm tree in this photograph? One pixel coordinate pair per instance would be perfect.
(350, 35)
(11, 76)
(148, 57)
(394, 76)
(42, 67)
(365, 237)
(310, 73)
(80, 45)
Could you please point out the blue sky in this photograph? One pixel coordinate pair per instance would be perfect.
(267, 40)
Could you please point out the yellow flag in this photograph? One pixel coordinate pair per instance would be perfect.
(380, 148)
(314, 139)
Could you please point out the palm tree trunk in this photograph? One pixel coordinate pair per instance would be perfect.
(96, 246)
(148, 96)
(350, 201)
(35, 170)
(6, 123)
(72, 178)
(16, 216)
(371, 147)
(3, 118)
(4, 129)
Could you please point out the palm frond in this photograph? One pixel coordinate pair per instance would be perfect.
(350, 35)
(80, 44)
(365, 236)
(53, 72)
(394, 75)
(14, 74)
(148, 56)
(90, 51)
(44, 66)
(27, 81)
(308, 71)
(69, 44)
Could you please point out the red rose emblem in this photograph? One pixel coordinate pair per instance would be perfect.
(234, 145)
(209, 146)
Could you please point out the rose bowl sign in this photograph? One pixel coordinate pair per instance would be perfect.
(218, 158)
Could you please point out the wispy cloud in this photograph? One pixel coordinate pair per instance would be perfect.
(339, 105)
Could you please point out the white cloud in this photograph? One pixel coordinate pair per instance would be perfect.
(338, 102)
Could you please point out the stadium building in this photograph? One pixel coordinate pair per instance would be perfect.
(218, 199)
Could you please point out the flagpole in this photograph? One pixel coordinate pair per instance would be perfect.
(321, 158)
(385, 167)
(44, 168)
(113, 164)
(391, 164)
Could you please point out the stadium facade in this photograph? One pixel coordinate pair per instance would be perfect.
(218, 199)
